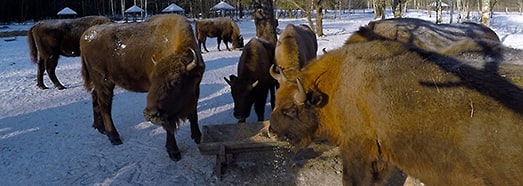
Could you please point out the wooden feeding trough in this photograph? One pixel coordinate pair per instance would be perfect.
(226, 140)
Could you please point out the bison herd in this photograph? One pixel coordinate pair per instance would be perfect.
(441, 102)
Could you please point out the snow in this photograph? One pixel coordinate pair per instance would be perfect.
(46, 136)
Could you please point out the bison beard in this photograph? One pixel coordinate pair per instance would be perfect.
(126, 55)
(444, 120)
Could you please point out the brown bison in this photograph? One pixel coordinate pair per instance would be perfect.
(223, 28)
(50, 39)
(254, 81)
(296, 46)
(425, 34)
(159, 56)
(439, 119)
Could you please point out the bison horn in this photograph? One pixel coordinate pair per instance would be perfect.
(278, 75)
(192, 65)
(154, 61)
(300, 96)
(254, 84)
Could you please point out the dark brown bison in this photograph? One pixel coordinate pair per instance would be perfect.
(52, 38)
(437, 118)
(159, 56)
(223, 28)
(425, 34)
(253, 82)
(296, 46)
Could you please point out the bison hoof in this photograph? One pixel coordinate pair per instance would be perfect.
(100, 129)
(60, 87)
(175, 156)
(116, 141)
(43, 87)
(241, 121)
(196, 139)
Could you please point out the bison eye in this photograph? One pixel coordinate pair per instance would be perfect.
(291, 112)
(173, 83)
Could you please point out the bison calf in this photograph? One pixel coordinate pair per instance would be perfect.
(253, 82)
(437, 118)
(49, 39)
(159, 56)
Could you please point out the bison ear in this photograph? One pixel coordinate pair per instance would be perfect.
(317, 98)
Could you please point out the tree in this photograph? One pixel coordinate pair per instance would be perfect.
(263, 15)
(485, 12)
(379, 9)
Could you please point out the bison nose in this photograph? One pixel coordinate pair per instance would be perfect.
(152, 115)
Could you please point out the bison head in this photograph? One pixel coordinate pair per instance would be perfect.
(243, 96)
(173, 90)
(237, 41)
(295, 116)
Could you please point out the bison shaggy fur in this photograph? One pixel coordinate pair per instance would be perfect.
(159, 56)
(49, 39)
(222, 28)
(436, 117)
(254, 81)
(296, 46)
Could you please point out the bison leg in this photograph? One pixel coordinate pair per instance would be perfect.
(196, 135)
(50, 67)
(172, 148)
(104, 101)
(203, 43)
(98, 123)
(226, 45)
(259, 104)
(40, 74)
(219, 40)
(361, 165)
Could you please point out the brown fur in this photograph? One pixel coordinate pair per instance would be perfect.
(426, 35)
(296, 46)
(49, 39)
(221, 27)
(439, 119)
(253, 68)
(152, 56)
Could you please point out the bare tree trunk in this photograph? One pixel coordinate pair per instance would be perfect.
(319, 18)
(379, 9)
(263, 14)
(396, 8)
(459, 9)
(438, 11)
(451, 4)
(485, 12)
(122, 3)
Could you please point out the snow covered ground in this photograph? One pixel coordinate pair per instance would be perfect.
(46, 136)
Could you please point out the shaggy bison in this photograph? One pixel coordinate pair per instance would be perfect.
(296, 46)
(425, 34)
(439, 119)
(49, 39)
(159, 56)
(253, 81)
(223, 28)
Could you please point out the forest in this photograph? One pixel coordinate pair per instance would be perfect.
(34, 10)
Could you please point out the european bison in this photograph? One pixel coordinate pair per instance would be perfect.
(435, 117)
(425, 34)
(49, 39)
(159, 56)
(253, 81)
(296, 46)
(223, 28)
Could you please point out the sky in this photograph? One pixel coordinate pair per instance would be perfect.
(46, 136)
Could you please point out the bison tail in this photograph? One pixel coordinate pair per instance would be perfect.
(88, 84)
(33, 51)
